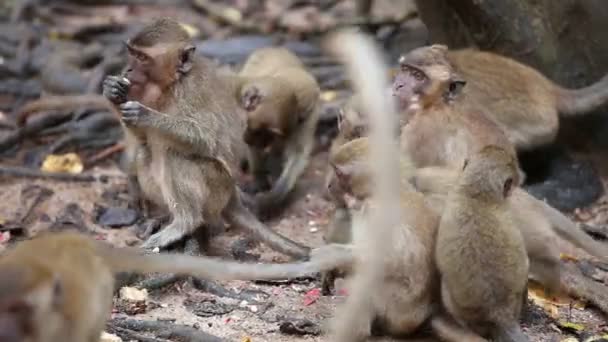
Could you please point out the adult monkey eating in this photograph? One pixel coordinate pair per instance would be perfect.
(184, 132)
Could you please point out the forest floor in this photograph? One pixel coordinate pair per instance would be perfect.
(259, 311)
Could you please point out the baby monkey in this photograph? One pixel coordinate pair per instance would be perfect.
(59, 287)
(280, 98)
(184, 136)
(480, 254)
(519, 99)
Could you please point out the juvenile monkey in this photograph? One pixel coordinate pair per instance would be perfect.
(184, 136)
(280, 98)
(519, 99)
(58, 287)
(480, 254)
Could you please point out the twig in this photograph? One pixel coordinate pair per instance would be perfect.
(22, 172)
(576, 284)
(106, 153)
(166, 330)
(129, 335)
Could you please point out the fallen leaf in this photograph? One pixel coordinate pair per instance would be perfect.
(551, 304)
(193, 32)
(569, 339)
(311, 296)
(105, 337)
(69, 162)
(232, 14)
(246, 339)
(328, 95)
(567, 257)
(575, 327)
(133, 294)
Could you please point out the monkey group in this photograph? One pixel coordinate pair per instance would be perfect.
(431, 227)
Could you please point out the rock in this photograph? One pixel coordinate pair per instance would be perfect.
(105, 337)
(564, 183)
(116, 217)
(132, 294)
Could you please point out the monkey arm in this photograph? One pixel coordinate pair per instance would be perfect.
(181, 129)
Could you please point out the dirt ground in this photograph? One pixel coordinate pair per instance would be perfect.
(256, 311)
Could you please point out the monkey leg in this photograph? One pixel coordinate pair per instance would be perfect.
(449, 331)
(327, 282)
(185, 194)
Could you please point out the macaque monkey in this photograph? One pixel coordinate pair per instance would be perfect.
(480, 254)
(442, 128)
(59, 287)
(392, 233)
(519, 99)
(280, 98)
(540, 225)
(184, 136)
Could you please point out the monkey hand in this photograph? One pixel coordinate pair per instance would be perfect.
(115, 89)
(135, 114)
(265, 202)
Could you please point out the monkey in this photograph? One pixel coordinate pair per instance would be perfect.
(480, 254)
(280, 98)
(59, 286)
(432, 92)
(524, 103)
(540, 224)
(180, 130)
(386, 254)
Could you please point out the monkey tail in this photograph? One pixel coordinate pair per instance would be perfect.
(137, 260)
(568, 230)
(62, 103)
(365, 66)
(571, 102)
(511, 333)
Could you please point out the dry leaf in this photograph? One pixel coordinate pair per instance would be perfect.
(69, 162)
(567, 257)
(232, 14)
(329, 95)
(105, 337)
(246, 339)
(551, 304)
(569, 339)
(571, 326)
(193, 32)
(133, 294)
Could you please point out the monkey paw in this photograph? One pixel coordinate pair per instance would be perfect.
(115, 89)
(134, 113)
(162, 239)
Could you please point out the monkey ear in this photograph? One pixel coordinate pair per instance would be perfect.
(439, 48)
(455, 88)
(186, 55)
(507, 187)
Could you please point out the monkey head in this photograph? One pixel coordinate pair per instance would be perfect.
(269, 112)
(352, 174)
(491, 173)
(352, 123)
(159, 55)
(426, 78)
(28, 297)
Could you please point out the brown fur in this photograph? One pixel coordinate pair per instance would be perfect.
(280, 97)
(58, 287)
(184, 136)
(519, 99)
(480, 254)
(403, 300)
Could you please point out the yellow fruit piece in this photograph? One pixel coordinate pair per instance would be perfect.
(69, 163)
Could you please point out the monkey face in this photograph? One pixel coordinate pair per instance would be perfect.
(408, 85)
